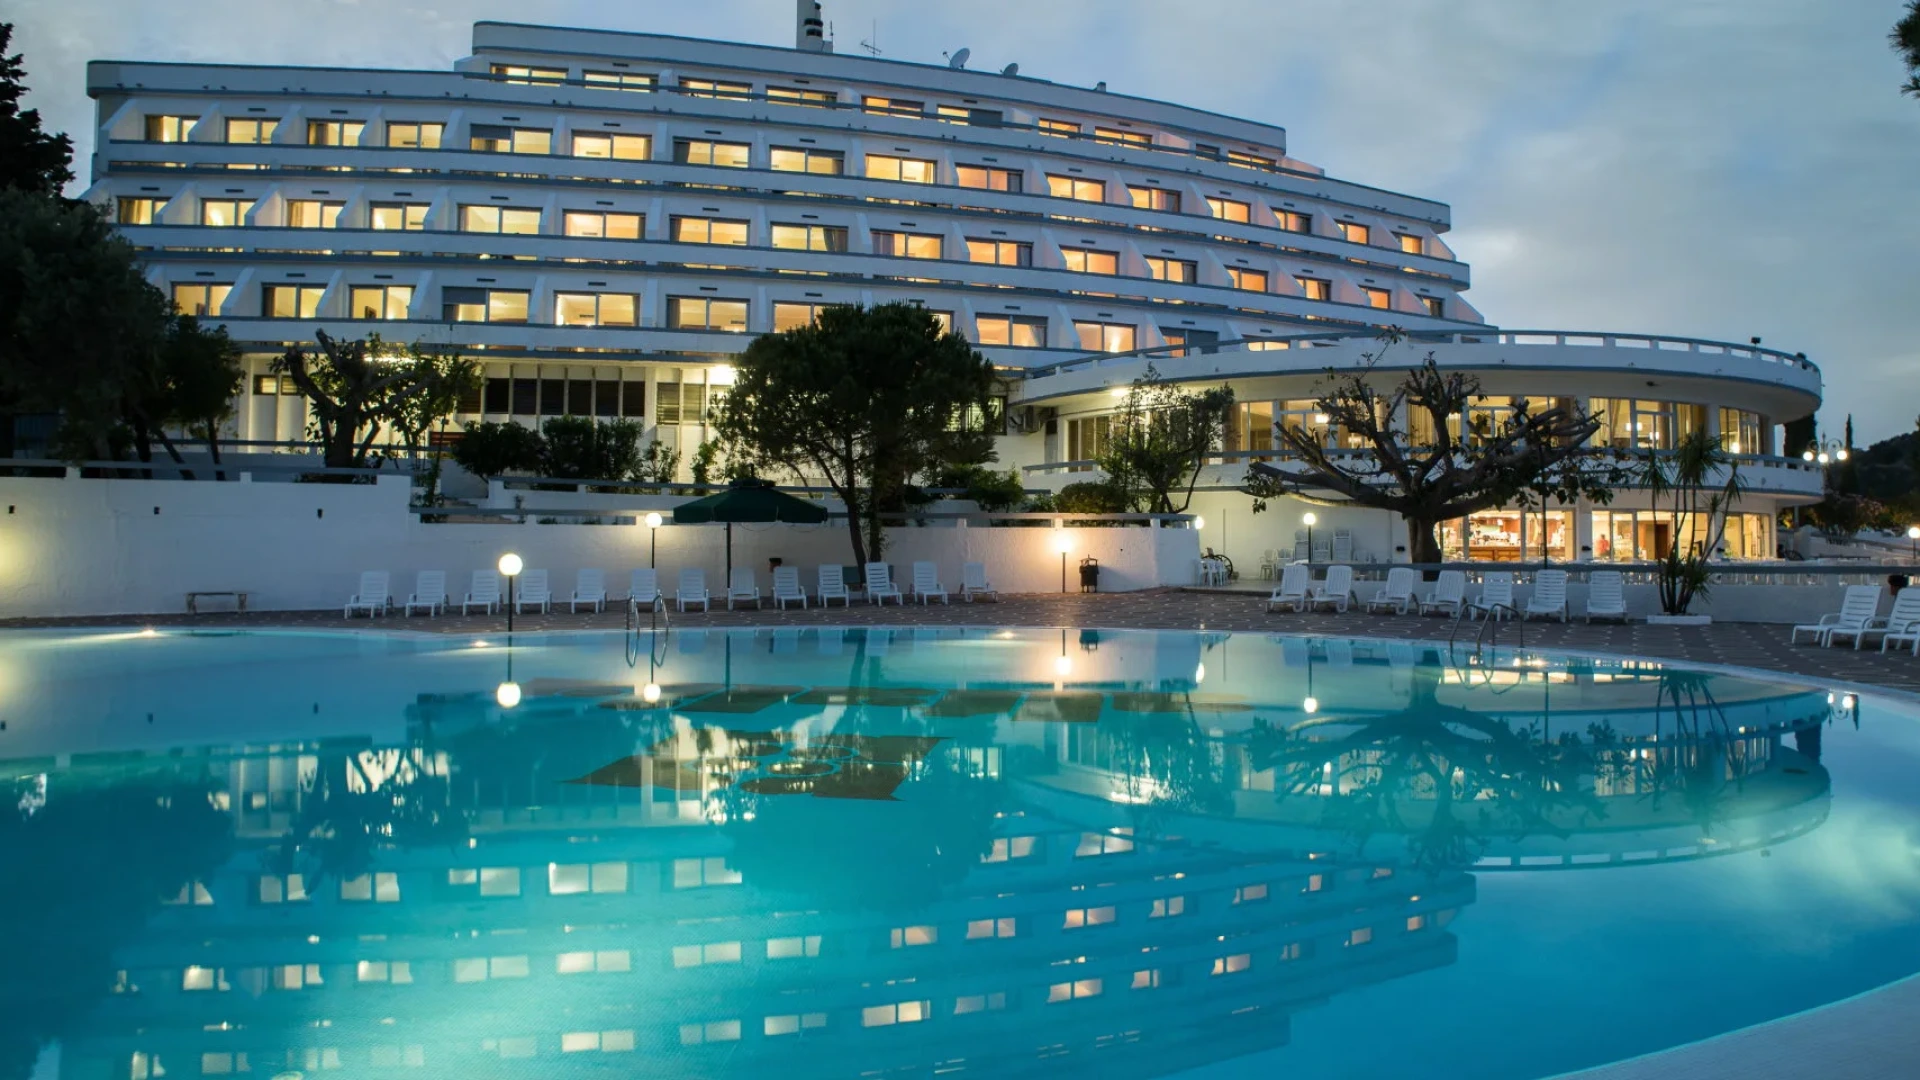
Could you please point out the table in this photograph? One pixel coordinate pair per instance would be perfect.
(239, 600)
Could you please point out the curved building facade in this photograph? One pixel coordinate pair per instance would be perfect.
(605, 219)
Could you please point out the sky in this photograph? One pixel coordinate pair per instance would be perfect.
(1718, 169)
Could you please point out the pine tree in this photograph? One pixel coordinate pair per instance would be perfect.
(30, 159)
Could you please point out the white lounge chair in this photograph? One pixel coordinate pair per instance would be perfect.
(533, 590)
(1334, 591)
(973, 582)
(926, 583)
(1857, 608)
(1449, 594)
(743, 586)
(1549, 596)
(786, 587)
(1342, 546)
(833, 585)
(1606, 596)
(374, 596)
(483, 591)
(880, 584)
(1397, 594)
(429, 591)
(1901, 621)
(643, 588)
(693, 590)
(1496, 597)
(590, 587)
(1294, 580)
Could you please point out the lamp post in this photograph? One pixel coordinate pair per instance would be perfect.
(1064, 544)
(510, 566)
(1913, 542)
(508, 693)
(1308, 520)
(1063, 664)
(1825, 451)
(654, 521)
(1310, 704)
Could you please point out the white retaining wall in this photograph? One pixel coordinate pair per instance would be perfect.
(120, 547)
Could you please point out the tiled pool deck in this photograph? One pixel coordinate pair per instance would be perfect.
(1870, 1037)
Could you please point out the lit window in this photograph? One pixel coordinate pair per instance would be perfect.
(721, 952)
(1360, 936)
(793, 948)
(591, 309)
(1354, 233)
(498, 139)
(1074, 187)
(140, 211)
(1416, 922)
(584, 962)
(1118, 137)
(700, 230)
(726, 155)
(905, 1012)
(500, 219)
(906, 170)
(1167, 907)
(1411, 244)
(794, 95)
(601, 225)
(906, 937)
(1315, 883)
(170, 129)
(489, 306)
(1436, 306)
(397, 217)
(706, 313)
(1077, 918)
(313, 214)
(1065, 129)
(1185, 271)
(1251, 161)
(291, 302)
(202, 978)
(1247, 894)
(251, 132)
(1088, 261)
(1020, 332)
(381, 888)
(791, 316)
(715, 1031)
(1294, 221)
(991, 928)
(1152, 198)
(1230, 209)
(694, 873)
(619, 80)
(222, 213)
(415, 135)
(908, 245)
(710, 88)
(202, 299)
(1250, 280)
(192, 893)
(334, 132)
(619, 147)
(1099, 843)
(1231, 965)
(1315, 288)
(803, 160)
(379, 301)
(1106, 337)
(989, 178)
(1377, 298)
(606, 1042)
(482, 968)
(809, 237)
(1293, 950)
(1075, 990)
(999, 252)
(973, 1003)
(396, 972)
(1008, 848)
(885, 106)
(565, 879)
(520, 73)
(295, 976)
(1146, 979)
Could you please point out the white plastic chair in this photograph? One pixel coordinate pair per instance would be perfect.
(1904, 617)
(534, 590)
(973, 582)
(926, 583)
(590, 587)
(693, 590)
(429, 591)
(374, 595)
(483, 591)
(1606, 596)
(1857, 608)
(1549, 596)
(1397, 594)
(1496, 597)
(786, 587)
(1294, 580)
(1903, 622)
(880, 585)
(1449, 593)
(833, 585)
(643, 587)
(1342, 546)
(743, 586)
(1334, 591)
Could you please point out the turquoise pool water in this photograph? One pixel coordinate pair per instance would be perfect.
(870, 853)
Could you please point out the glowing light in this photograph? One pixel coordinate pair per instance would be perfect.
(1913, 532)
(508, 695)
(650, 693)
(654, 521)
(1823, 458)
(1200, 674)
(1842, 455)
(1118, 391)
(479, 644)
(1310, 519)
(1807, 455)
(149, 632)
(1321, 418)
(1063, 665)
(1199, 522)
(510, 564)
(721, 375)
(1310, 705)
(1849, 701)
(1063, 543)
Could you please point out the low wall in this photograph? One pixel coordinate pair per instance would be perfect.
(122, 547)
(1782, 604)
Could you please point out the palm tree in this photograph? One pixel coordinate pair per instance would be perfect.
(1905, 39)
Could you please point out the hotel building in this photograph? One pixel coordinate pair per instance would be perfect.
(604, 220)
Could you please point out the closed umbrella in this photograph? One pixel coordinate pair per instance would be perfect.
(750, 500)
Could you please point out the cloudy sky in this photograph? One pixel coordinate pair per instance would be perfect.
(1702, 168)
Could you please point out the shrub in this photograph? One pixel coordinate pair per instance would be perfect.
(580, 448)
(1091, 497)
(493, 449)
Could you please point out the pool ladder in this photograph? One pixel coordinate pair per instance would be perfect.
(659, 626)
(1489, 626)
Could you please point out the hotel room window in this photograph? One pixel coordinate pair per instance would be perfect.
(792, 316)
(415, 135)
(291, 301)
(1740, 431)
(397, 217)
(519, 220)
(499, 139)
(1065, 129)
(224, 213)
(1293, 221)
(1089, 261)
(886, 106)
(334, 132)
(726, 155)
(1315, 288)
(617, 147)
(170, 129)
(1119, 137)
(1251, 161)
(1411, 244)
(1074, 187)
(809, 237)
(603, 225)
(989, 178)
(594, 309)
(483, 305)
(1436, 306)
(794, 95)
(202, 299)
(706, 313)
(1377, 298)
(1019, 332)
(1229, 209)
(313, 214)
(805, 160)
(1105, 337)
(712, 88)
(1249, 280)
(143, 210)
(700, 230)
(1355, 233)
(999, 252)
(251, 131)
(1153, 198)
(905, 170)
(1184, 271)
(619, 80)
(908, 245)
(379, 301)
(1075, 990)
(521, 73)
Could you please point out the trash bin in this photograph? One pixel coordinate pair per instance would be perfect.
(1089, 574)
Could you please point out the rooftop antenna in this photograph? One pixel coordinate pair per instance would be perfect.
(959, 59)
(872, 44)
(1010, 69)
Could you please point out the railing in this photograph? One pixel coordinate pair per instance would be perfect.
(1769, 572)
(1620, 456)
(166, 469)
(628, 515)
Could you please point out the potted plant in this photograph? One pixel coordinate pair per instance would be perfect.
(1697, 482)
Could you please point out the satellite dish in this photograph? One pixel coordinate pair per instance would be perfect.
(1100, 87)
(1010, 69)
(959, 59)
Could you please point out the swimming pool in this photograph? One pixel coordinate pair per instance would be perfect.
(830, 853)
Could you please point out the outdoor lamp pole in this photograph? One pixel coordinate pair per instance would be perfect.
(1913, 542)
(510, 566)
(654, 521)
(1065, 544)
(508, 693)
(1308, 519)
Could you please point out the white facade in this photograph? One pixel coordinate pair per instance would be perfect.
(604, 219)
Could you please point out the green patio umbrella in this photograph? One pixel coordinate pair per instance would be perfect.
(750, 500)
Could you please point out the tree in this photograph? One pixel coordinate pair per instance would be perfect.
(491, 449)
(1160, 440)
(355, 390)
(1685, 480)
(1520, 458)
(863, 400)
(658, 464)
(204, 374)
(31, 160)
(1905, 39)
(580, 448)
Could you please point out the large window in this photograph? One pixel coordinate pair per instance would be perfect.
(1250, 280)
(1435, 306)
(1411, 244)
(1153, 198)
(521, 73)
(1645, 535)
(1250, 161)
(1305, 414)
(1230, 209)
(1354, 232)
(1105, 336)
(1509, 536)
(379, 301)
(398, 217)
(802, 159)
(999, 252)
(1646, 425)
(417, 135)
(334, 132)
(1090, 261)
(904, 169)
(967, 115)
(989, 178)
(224, 213)
(706, 313)
(141, 210)
(1250, 426)
(170, 128)
(251, 130)
(1315, 288)
(499, 139)
(1185, 271)
(714, 88)
(1749, 536)
(788, 315)
(594, 309)
(1087, 438)
(520, 220)
(604, 225)
(726, 155)
(201, 299)
(1740, 431)
(908, 245)
(620, 147)
(1293, 221)
(1065, 129)
(1076, 187)
(557, 397)
(484, 305)
(888, 106)
(1377, 298)
(700, 230)
(1017, 331)
(620, 80)
(1119, 137)
(809, 237)
(313, 214)
(795, 95)
(291, 301)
